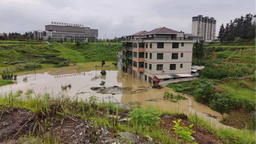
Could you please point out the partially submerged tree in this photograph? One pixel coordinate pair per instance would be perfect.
(102, 63)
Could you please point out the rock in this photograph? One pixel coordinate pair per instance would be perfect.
(192, 138)
(116, 135)
(149, 138)
(132, 137)
(166, 116)
(124, 120)
(77, 127)
(87, 141)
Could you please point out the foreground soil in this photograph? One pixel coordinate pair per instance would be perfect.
(19, 125)
(16, 124)
(239, 119)
(201, 135)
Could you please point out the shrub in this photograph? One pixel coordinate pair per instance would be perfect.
(254, 118)
(184, 133)
(145, 117)
(103, 72)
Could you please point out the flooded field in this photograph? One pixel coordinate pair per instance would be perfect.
(119, 87)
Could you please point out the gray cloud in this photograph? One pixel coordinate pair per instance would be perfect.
(116, 18)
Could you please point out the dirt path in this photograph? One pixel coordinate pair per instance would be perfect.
(214, 55)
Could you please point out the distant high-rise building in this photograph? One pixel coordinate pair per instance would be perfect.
(204, 27)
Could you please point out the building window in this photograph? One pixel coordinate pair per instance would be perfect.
(141, 55)
(150, 45)
(159, 67)
(182, 44)
(181, 65)
(175, 45)
(146, 65)
(135, 54)
(150, 66)
(160, 45)
(181, 54)
(150, 55)
(145, 77)
(172, 66)
(146, 55)
(146, 45)
(141, 64)
(141, 45)
(135, 64)
(135, 45)
(174, 55)
(160, 56)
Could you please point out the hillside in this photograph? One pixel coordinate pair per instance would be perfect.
(227, 84)
(14, 52)
(96, 51)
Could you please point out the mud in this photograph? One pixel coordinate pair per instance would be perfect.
(201, 135)
(119, 90)
(15, 124)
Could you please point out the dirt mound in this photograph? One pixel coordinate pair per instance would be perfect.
(201, 135)
(14, 123)
(17, 123)
(120, 90)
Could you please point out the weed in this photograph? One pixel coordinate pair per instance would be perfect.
(184, 133)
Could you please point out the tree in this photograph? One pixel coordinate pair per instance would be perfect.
(102, 63)
(78, 43)
(72, 40)
(198, 49)
(65, 39)
(221, 103)
(28, 37)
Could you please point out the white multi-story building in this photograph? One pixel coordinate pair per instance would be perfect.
(160, 53)
(204, 27)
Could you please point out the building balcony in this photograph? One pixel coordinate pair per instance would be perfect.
(129, 48)
(129, 65)
(169, 38)
(138, 59)
(141, 50)
(124, 64)
(129, 57)
(141, 69)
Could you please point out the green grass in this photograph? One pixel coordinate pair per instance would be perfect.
(228, 135)
(96, 51)
(74, 55)
(240, 93)
(5, 82)
(25, 51)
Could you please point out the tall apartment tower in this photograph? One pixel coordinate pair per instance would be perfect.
(204, 27)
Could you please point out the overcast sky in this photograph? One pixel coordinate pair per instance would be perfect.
(115, 18)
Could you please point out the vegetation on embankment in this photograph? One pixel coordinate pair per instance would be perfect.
(96, 51)
(14, 52)
(5, 82)
(227, 84)
(45, 119)
(19, 54)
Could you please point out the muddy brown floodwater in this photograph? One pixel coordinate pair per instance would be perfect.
(125, 89)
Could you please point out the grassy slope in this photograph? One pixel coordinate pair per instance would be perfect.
(13, 51)
(243, 93)
(96, 51)
(5, 82)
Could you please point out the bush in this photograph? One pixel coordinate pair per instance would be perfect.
(145, 117)
(61, 65)
(103, 72)
(254, 118)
